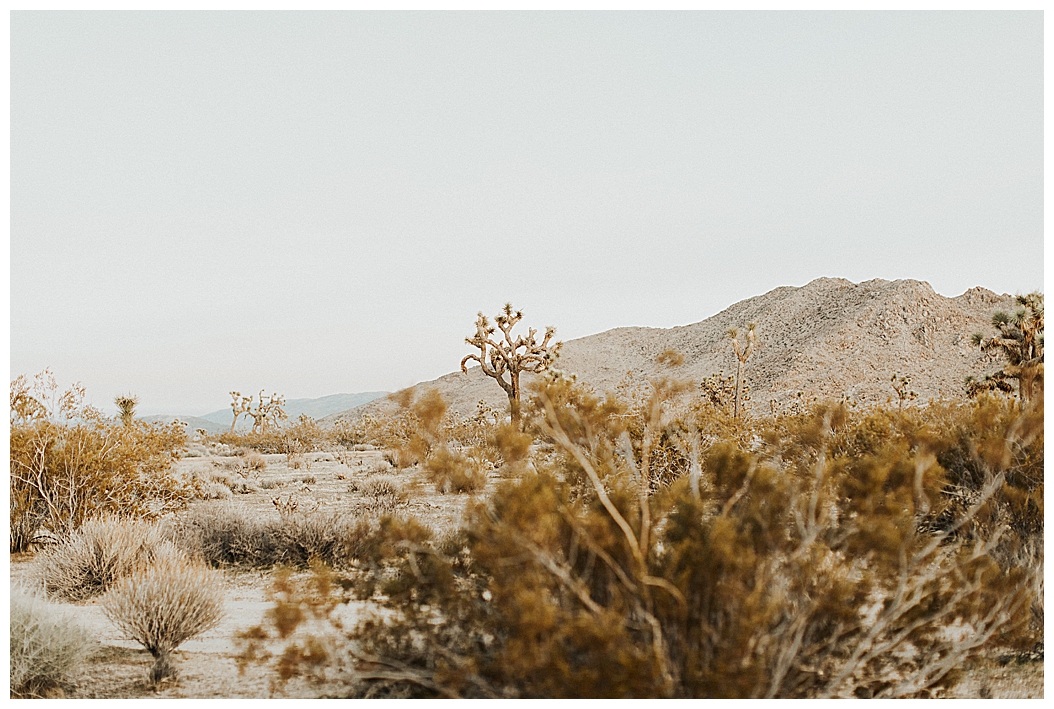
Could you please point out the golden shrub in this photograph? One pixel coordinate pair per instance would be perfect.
(827, 554)
(69, 463)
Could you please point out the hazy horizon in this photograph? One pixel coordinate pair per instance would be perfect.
(319, 203)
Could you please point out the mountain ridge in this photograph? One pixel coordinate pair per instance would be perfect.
(829, 338)
(220, 420)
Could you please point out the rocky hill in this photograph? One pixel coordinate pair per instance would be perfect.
(827, 339)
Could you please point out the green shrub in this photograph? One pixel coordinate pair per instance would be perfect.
(92, 558)
(164, 604)
(48, 648)
(70, 463)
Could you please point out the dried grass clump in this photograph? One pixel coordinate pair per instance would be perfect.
(382, 486)
(384, 467)
(234, 479)
(164, 604)
(90, 560)
(254, 462)
(214, 491)
(48, 647)
(229, 537)
(297, 460)
(453, 472)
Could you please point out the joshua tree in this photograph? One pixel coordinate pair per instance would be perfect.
(240, 405)
(126, 408)
(510, 356)
(900, 386)
(1020, 339)
(743, 353)
(268, 411)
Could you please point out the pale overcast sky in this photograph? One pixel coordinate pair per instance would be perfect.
(314, 203)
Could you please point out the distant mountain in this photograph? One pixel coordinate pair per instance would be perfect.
(219, 421)
(828, 338)
(193, 422)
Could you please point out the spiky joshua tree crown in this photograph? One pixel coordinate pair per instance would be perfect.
(506, 357)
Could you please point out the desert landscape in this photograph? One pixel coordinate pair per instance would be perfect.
(844, 514)
(516, 354)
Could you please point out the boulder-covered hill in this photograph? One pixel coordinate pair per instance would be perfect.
(828, 338)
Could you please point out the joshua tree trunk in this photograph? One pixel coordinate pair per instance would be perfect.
(514, 396)
(739, 388)
(742, 355)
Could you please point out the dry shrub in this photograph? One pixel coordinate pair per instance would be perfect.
(382, 486)
(90, 560)
(826, 554)
(302, 613)
(236, 482)
(344, 457)
(381, 468)
(345, 435)
(306, 434)
(227, 536)
(400, 458)
(254, 462)
(423, 432)
(670, 358)
(297, 460)
(453, 472)
(196, 449)
(70, 463)
(164, 604)
(48, 647)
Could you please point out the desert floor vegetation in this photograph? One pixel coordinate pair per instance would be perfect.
(242, 538)
(648, 544)
(49, 648)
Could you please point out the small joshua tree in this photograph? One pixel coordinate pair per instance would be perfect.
(719, 391)
(900, 386)
(1020, 339)
(239, 405)
(126, 408)
(743, 352)
(505, 359)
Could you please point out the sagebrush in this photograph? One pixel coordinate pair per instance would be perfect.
(228, 537)
(88, 561)
(164, 604)
(48, 650)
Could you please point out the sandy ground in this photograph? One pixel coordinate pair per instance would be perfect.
(207, 664)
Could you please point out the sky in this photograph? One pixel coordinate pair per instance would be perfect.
(316, 203)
